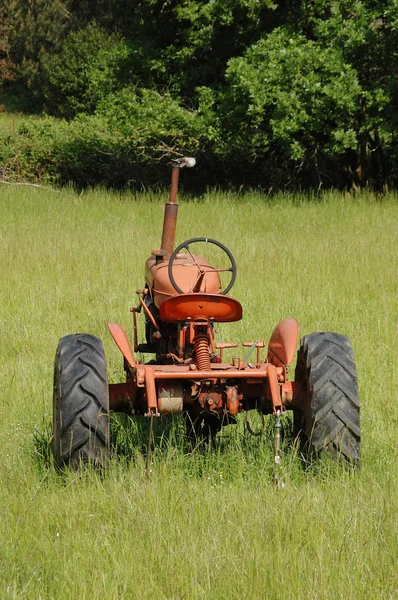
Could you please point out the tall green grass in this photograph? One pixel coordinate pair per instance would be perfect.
(210, 523)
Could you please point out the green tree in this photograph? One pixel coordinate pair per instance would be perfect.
(37, 27)
(364, 33)
(90, 65)
(290, 101)
(290, 93)
(6, 65)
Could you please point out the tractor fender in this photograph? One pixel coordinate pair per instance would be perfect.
(122, 342)
(283, 343)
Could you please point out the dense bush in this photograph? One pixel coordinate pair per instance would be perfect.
(293, 99)
(90, 65)
(264, 93)
(128, 141)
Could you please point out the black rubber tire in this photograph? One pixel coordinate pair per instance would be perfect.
(329, 420)
(80, 402)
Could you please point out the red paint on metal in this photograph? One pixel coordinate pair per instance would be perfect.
(170, 214)
(283, 343)
(211, 400)
(122, 342)
(169, 227)
(149, 314)
(221, 347)
(185, 273)
(122, 396)
(232, 400)
(257, 345)
(274, 388)
(215, 307)
(134, 311)
(293, 394)
(212, 374)
(150, 389)
(175, 174)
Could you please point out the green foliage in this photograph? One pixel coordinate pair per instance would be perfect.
(130, 139)
(145, 113)
(209, 33)
(35, 29)
(363, 32)
(89, 66)
(272, 94)
(6, 66)
(291, 98)
(83, 151)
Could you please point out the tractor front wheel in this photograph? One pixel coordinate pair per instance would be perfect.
(80, 402)
(328, 420)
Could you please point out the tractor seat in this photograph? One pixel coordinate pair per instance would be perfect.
(197, 306)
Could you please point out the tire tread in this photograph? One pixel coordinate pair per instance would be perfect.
(326, 361)
(82, 387)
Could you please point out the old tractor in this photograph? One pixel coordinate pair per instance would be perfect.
(182, 301)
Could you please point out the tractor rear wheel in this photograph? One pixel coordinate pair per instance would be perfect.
(329, 418)
(80, 402)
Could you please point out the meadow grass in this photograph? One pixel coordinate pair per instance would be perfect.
(210, 524)
(9, 123)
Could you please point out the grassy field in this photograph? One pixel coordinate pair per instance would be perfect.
(209, 525)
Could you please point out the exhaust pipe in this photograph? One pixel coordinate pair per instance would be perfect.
(171, 207)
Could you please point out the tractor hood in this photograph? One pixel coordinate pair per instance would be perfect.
(185, 273)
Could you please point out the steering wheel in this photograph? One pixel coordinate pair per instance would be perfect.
(202, 269)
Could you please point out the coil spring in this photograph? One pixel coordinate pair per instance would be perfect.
(201, 344)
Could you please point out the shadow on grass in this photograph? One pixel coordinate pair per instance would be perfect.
(233, 449)
(234, 454)
(128, 438)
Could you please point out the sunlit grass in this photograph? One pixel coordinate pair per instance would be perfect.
(210, 523)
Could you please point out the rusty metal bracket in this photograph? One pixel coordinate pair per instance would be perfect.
(274, 389)
(221, 346)
(149, 314)
(251, 346)
(150, 390)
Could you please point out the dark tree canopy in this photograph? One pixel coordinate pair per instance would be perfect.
(287, 94)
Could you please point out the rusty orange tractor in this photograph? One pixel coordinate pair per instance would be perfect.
(182, 301)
